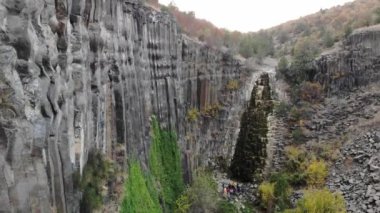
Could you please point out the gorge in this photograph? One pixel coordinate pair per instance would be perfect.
(79, 77)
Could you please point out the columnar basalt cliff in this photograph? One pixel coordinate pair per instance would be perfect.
(89, 74)
(356, 63)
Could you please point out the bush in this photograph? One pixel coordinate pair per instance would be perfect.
(295, 114)
(266, 190)
(203, 193)
(192, 114)
(295, 158)
(320, 201)
(298, 136)
(95, 175)
(183, 203)
(226, 207)
(311, 92)
(282, 191)
(232, 85)
(282, 68)
(282, 109)
(296, 165)
(316, 173)
(211, 110)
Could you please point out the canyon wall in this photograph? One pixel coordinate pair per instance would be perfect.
(354, 64)
(90, 74)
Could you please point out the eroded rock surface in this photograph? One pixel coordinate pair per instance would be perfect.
(355, 64)
(85, 74)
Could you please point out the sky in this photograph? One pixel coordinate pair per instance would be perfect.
(252, 15)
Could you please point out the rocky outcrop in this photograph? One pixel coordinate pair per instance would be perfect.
(250, 155)
(89, 74)
(356, 63)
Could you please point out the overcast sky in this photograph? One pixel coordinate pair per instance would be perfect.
(252, 15)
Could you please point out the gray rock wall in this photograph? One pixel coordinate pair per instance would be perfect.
(356, 63)
(82, 74)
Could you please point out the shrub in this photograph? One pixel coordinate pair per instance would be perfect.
(282, 191)
(232, 85)
(296, 164)
(295, 114)
(294, 158)
(282, 67)
(316, 173)
(320, 201)
(203, 193)
(266, 190)
(95, 174)
(282, 109)
(192, 114)
(298, 136)
(211, 110)
(183, 203)
(311, 92)
(226, 207)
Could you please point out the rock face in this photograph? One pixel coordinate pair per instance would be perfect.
(89, 74)
(251, 148)
(355, 64)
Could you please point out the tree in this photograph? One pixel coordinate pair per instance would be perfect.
(302, 68)
(328, 39)
(282, 67)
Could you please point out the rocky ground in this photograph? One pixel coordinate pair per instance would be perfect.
(353, 121)
(357, 173)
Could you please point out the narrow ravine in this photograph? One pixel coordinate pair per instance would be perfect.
(276, 132)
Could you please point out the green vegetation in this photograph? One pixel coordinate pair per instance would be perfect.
(311, 92)
(201, 196)
(256, 44)
(165, 165)
(156, 191)
(275, 194)
(377, 15)
(316, 173)
(266, 190)
(140, 195)
(318, 201)
(298, 136)
(95, 174)
(183, 203)
(281, 109)
(192, 114)
(226, 207)
(282, 191)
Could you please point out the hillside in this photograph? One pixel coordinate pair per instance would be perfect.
(326, 26)
(323, 28)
